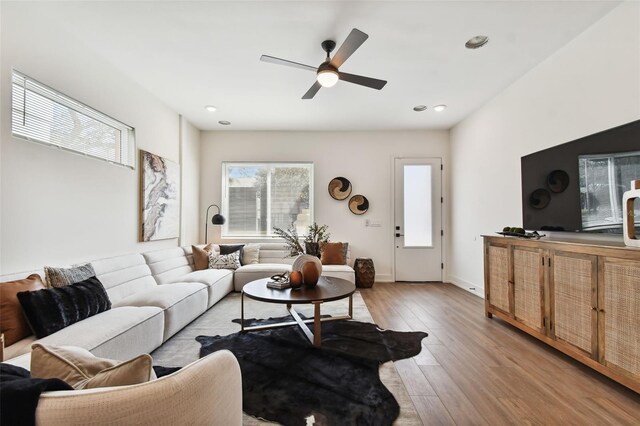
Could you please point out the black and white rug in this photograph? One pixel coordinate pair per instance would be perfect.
(287, 380)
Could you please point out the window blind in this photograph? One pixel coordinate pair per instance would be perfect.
(42, 114)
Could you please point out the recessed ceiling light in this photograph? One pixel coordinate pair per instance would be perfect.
(419, 108)
(439, 108)
(224, 122)
(476, 42)
(210, 108)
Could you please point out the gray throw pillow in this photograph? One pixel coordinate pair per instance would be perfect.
(61, 277)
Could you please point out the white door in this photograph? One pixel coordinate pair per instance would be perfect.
(418, 218)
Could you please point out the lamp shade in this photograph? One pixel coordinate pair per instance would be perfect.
(217, 219)
(327, 78)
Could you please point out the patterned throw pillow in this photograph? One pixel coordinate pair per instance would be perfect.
(61, 277)
(224, 261)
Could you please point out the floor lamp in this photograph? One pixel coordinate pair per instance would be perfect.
(217, 219)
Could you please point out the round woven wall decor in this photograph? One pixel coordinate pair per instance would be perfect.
(540, 198)
(358, 204)
(339, 188)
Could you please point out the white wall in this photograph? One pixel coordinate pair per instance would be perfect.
(365, 158)
(190, 170)
(589, 85)
(58, 207)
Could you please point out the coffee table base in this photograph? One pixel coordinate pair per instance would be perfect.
(314, 337)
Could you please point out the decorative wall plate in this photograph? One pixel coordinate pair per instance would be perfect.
(558, 181)
(339, 188)
(539, 199)
(358, 204)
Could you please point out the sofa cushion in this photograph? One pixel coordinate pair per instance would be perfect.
(201, 256)
(124, 275)
(60, 277)
(181, 303)
(12, 321)
(80, 369)
(97, 330)
(275, 253)
(167, 265)
(345, 272)
(206, 276)
(162, 296)
(248, 273)
(52, 309)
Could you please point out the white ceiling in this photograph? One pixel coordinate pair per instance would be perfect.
(191, 54)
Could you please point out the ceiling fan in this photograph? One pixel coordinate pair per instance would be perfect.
(328, 74)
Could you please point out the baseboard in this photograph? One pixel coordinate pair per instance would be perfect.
(384, 278)
(466, 285)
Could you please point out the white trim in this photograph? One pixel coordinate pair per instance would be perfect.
(467, 286)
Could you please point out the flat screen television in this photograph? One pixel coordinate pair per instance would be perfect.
(578, 186)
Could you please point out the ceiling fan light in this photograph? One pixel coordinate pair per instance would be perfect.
(327, 78)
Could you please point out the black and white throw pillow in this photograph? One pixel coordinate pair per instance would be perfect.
(224, 261)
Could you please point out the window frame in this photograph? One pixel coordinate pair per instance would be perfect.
(224, 202)
(73, 104)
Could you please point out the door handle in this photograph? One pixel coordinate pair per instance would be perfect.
(399, 235)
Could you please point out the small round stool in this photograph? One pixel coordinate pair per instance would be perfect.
(365, 272)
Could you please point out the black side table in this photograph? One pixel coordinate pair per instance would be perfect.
(365, 272)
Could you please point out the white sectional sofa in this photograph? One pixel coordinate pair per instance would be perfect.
(154, 295)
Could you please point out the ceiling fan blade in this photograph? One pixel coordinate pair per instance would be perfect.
(351, 44)
(312, 91)
(373, 83)
(274, 60)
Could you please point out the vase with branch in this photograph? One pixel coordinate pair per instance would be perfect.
(315, 235)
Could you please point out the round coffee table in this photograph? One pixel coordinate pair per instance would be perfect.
(328, 289)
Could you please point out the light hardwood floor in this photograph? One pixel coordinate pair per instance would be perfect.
(478, 371)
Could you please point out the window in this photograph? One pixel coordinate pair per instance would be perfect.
(41, 114)
(259, 196)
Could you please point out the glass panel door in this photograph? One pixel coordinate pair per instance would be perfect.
(418, 229)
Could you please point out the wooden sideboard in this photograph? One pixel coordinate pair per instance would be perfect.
(581, 297)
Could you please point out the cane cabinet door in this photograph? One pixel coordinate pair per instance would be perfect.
(573, 281)
(619, 315)
(497, 277)
(528, 286)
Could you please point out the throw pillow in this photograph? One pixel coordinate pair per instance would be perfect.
(60, 277)
(82, 370)
(332, 254)
(230, 248)
(53, 309)
(201, 256)
(224, 261)
(12, 321)
(250, 254)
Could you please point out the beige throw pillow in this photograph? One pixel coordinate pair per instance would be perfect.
(80, 369)
(201, 256)
(250, 254)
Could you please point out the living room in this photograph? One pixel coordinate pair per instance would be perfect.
(550, 73)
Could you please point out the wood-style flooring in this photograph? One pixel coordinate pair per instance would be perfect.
(478, 371)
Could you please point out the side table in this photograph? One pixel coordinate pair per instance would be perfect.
(365, 272)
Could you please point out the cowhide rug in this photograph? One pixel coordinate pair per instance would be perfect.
(287, 380)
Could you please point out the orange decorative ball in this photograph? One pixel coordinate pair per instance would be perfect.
(310, 274)
(295, 279)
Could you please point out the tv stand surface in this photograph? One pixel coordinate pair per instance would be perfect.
(576, 295)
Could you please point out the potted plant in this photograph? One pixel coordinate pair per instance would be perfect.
(316, 234)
